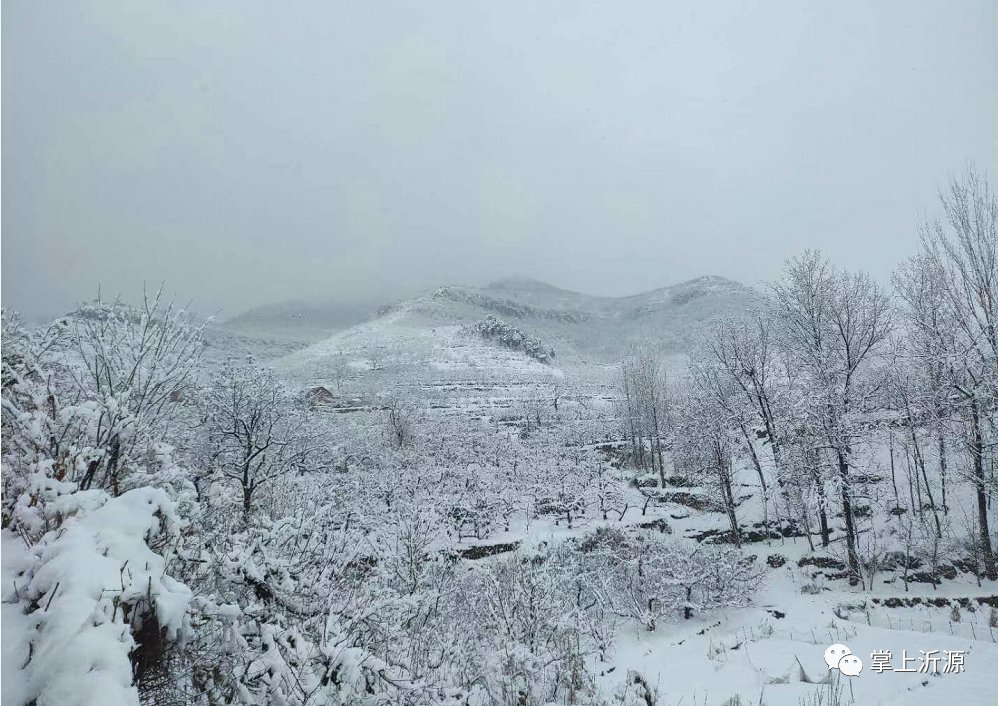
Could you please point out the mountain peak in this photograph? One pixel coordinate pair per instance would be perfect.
(521, 283)
(710, 280)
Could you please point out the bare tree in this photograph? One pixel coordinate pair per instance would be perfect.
(905, 391)
(746, 353)
(646, 409)
(927, 337)
(835, 324)
(400, 421)
(705, 437)
(339, 369)
(960, 259)
(256, 431)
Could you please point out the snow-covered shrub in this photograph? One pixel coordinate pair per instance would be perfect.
(100, 609)
(401, 421)
(645, 575)
(314, 608)
(88, 399)
(406, 550)
(527, 648)
(88, 404)
(509, 336)
(636, 692)
(46, 444)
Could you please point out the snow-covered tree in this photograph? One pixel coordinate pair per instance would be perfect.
(645, 410)
(89, 397)
(951, 295)
(835, 325)
(256, 431)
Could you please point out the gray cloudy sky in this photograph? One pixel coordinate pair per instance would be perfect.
(247, 152)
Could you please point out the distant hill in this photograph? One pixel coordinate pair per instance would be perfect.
(593, 327)
(429, 334)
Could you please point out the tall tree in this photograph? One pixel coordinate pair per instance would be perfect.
(646, 408)
(746, 351)
(835, 324)
(960, 260)
(255, 430)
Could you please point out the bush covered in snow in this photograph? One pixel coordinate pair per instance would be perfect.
(99, 607)
(647, 576)
(509, 336)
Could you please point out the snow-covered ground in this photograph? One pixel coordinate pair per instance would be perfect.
(772, 652)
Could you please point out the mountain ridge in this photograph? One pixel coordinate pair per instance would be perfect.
(410, 338)
(337, 314)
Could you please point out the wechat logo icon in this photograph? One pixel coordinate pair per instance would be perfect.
(841, 658)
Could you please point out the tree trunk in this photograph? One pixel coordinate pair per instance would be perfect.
(247, 490)
(913, 463)
(112, 466)
(826, 536)
(853, 557)
(777, 451)
(977, 454)
(247, 500)
(894, 481)
(661, 459)
(656, 439)
(942, 469)
(819, 485)
(762, 479)
(920, 465)
(805, 520)
(932, 501)
(724, 470)
(630, 421)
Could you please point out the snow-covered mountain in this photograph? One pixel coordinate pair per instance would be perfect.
(600, 328)
(427, 336)
(580, 324)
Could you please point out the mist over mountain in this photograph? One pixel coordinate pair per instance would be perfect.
(574, 323)
(301, 317)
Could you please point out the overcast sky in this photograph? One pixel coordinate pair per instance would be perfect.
(249, 152)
